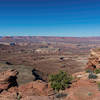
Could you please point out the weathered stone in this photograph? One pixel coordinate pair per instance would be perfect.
(94, 59)
(8, 79)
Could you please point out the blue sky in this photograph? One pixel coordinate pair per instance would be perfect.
(50, 17)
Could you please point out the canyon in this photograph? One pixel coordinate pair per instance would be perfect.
(24, 71)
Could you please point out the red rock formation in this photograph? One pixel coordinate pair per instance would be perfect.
(9, 92)
(31, 91)
(94, 59)
(8, 79)
(83, 90)
(37, 88)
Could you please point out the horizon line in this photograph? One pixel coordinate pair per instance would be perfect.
(47, 36)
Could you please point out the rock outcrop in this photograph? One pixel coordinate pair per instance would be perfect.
(8, 79)
(10, 91)
(29, 91)
(83, 90)
(36, 88)
(48, 50)
(94, 59)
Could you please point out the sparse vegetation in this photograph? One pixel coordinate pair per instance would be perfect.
(88, 71)
(60, 81)
(97, 71)
(61, 95)
(98, 85)
(89, 93)
(92, 76)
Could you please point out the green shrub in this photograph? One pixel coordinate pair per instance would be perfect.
(97, 71)
(92, 76)
(89, 93)
(88, 71)
(60, 81)
(98, 85)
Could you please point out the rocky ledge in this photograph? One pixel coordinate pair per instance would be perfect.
(11, 91)
(8, 79)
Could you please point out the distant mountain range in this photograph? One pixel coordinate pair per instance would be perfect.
(50, 39)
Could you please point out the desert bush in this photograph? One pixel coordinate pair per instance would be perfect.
(92, 76)
(60, 81)
(98, 85)
(97, 71)
(88, 71)
(89, 93)
(61, 95)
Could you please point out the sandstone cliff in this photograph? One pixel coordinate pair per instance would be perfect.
(94, 59)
